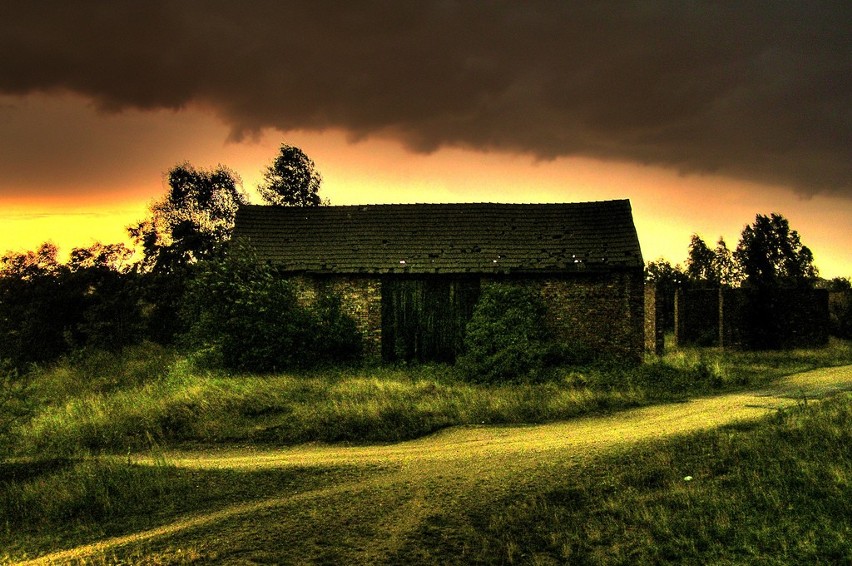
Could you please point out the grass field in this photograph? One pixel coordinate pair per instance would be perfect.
(516, 495)
(148, 396)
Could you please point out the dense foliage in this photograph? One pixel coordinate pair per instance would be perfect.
(507, 338)
(250, 317)
(192, 220)
(769, 254)
(48, 308)
(291, 180)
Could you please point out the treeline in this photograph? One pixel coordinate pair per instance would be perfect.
(769, 255)
(107, 296)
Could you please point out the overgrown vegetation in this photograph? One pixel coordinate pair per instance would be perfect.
(249, 317)
(116, 402)
(507, 338)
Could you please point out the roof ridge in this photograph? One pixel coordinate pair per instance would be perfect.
(386, 204)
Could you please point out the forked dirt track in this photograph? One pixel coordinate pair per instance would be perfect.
(403, 484)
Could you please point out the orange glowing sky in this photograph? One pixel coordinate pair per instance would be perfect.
(701, 115)
(668, 206)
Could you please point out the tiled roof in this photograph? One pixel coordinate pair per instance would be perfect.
(443, 238)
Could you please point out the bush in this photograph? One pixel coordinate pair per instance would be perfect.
(507, 338)
(251, 318)
(338, 339)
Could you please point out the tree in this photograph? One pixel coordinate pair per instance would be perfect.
(48, 309)
(108, 296)
(701, 262)
(714, 267)
(36, 309)
(667, 279)
(113, 257)
(192, 221)
(31, 264)
(770, 254)
(291, 180)
(724, 266)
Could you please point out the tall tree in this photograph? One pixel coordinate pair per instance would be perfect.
(770, 254)
(190, 223)
(724, 266)
(291, 180)
(192, 220)
(667, 279)
(700, 264)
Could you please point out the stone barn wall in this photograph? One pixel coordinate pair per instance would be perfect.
(600, 314)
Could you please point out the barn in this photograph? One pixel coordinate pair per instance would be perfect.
(410, 274)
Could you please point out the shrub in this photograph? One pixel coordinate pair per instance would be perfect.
(507, 338)
(338, 339)
(251, 317)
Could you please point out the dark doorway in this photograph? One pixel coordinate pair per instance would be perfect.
(423, 319)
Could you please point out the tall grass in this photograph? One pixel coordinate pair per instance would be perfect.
(186, 406)
(106, 402)
(750, 368)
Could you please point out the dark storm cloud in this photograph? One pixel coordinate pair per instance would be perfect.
(758, 90)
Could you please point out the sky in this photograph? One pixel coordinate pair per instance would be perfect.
(703, 114)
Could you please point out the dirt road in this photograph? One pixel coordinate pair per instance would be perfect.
(404, 484)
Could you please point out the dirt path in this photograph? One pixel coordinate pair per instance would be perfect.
(452, 469)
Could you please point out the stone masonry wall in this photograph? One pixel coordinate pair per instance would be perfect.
(697, 317)
(598, 314)
(601, 314)
(360, 298)
(654, 320)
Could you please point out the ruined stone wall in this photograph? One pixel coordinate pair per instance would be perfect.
(772, 319)
(654, 320)
(697, 317)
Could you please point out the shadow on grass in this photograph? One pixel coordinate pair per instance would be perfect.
(57, 503)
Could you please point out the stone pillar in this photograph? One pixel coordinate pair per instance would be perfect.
(654, 323)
